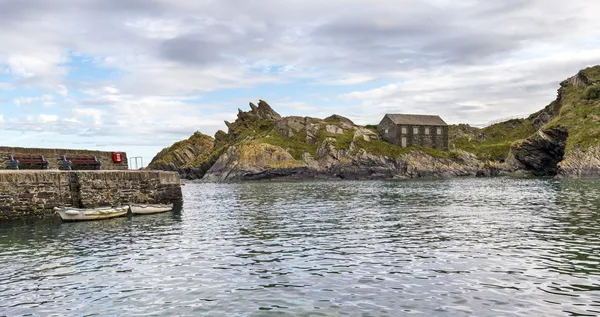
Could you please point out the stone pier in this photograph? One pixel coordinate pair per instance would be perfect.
(28, 193)
(54, 157)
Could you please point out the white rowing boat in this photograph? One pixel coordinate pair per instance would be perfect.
(142, 209)
(78, 214)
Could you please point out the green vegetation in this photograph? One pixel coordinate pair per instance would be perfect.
(592, 74)
(295, 145)
(182, 153)
(372, 127)
(377, 147)
(493, 142)
(298, 144)
(578, 110)
(582, 120)
(433, 152)
(592, 92)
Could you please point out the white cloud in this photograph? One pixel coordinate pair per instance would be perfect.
(30, 100)
(95, 114)
(62, 90)
(6, 86)
(43, 118)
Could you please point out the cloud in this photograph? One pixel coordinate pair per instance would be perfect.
(20, 101)
(93, 113)
(43, 118)
(472, 94)
(6, 86)
(177, 66)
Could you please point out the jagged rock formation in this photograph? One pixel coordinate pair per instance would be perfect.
(541, 152)
(247, 120)
(241, 161)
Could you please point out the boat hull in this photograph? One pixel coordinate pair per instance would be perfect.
(77, 214)
(149, 209)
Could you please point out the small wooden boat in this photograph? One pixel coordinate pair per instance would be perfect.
(77, 214)
(143, 209)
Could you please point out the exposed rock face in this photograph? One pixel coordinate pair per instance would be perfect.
(182, 156)
(221, 139)
(340, 119)
(247, 159)
(579, 80)
(292, 126)
(540, 153)
(581, 163)
(551, 111)
(253, 161)
(255, 118)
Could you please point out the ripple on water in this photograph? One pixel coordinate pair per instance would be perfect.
(485, 247)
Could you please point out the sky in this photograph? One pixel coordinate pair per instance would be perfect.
(138, 75)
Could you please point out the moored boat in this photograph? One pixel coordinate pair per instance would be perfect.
(78, 214)
(145, 209)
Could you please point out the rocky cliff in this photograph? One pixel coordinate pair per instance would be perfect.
(561, 139)
(185, 157)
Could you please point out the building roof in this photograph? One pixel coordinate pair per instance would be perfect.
(416, 119)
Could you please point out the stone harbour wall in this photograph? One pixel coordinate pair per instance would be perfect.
(27, 193)
(54, 157)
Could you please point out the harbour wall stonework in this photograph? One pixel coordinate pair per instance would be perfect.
(54, 157)
(26, 193)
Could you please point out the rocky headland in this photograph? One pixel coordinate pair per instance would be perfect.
(560, 140)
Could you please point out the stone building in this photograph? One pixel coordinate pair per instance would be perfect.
(414, 130)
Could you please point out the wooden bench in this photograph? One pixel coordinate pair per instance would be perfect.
(69, 161)
(29, 160)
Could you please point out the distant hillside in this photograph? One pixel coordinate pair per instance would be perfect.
(563, 138)
(576, 110)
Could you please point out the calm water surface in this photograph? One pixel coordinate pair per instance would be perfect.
(461, 247)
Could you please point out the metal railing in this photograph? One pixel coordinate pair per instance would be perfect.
(136, 161)
(500, 120)
(520, 116)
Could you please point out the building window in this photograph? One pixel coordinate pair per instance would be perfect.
(426, 130)
(404, 130)
(416, 130)
(439, 131)
(387, 131)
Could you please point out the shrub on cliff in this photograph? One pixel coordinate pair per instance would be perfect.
(592, 92)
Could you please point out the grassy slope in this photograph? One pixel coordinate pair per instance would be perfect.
(497, 141)
(578, 114)
(173, 154)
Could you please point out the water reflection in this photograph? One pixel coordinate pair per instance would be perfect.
(485, 247)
